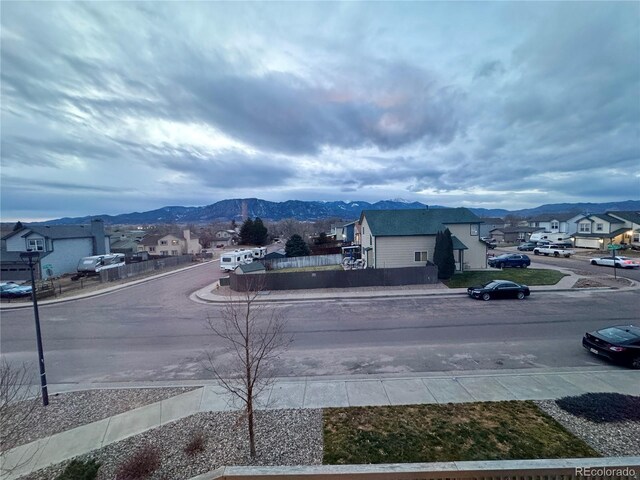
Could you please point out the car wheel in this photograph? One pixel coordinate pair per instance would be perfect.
(618, 265)
(501, 266)
(521, 295)
(593, 262)
(486, 297)
(556, 254)
(635, 363)
(536, 252)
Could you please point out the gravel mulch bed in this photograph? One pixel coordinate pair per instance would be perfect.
(614, 439)
(73, 409)
(283, 437)
(602, 282)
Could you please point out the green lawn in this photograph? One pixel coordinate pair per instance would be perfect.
(443, 433)
(528, 276)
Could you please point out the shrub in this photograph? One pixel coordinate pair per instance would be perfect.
(602, 407)
(196, 444)
(140, 465)
(80, 470)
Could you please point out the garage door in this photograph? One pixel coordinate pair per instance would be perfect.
(587, 242)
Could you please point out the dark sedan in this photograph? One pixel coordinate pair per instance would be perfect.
(499, 289)
(510, 260)
(620, 343)
(527, 246)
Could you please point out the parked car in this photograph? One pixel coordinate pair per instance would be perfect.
(13, 290)
(499, 289)
(618, 261)
(220, 245)
(527, 246)
(619, 343)
(510, 260)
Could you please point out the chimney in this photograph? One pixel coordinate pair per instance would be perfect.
(97, 230)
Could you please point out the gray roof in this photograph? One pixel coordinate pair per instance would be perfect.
(411, 222)
(457, 244)
(602, 216)
(547, 217)
(492, 220)
(55, 232)
(633, 217)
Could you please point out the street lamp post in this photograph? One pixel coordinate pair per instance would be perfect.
(30, 256)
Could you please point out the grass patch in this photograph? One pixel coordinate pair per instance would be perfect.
(442, 433)
(528, 276)
(308, 269)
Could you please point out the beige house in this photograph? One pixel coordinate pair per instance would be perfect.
(170, 244)
(600, 229)
(407, 238)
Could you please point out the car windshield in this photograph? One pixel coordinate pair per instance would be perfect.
(617, 334)
(504, 255)
(491, 284)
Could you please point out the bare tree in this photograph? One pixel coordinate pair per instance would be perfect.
(254, 336)
(18, 407)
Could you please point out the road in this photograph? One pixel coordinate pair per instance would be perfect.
(153, 331)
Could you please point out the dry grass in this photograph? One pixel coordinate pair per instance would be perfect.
(441, 433)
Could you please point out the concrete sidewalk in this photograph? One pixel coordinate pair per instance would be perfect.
(446, 387)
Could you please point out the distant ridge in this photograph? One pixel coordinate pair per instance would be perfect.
(227, 210)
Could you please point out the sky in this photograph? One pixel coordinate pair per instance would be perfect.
(111, 108)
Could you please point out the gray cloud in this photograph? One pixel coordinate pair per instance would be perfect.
(531, 91)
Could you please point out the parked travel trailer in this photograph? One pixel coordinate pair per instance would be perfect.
(230, 260)
(93, 265)
(552, 237)
(259, 252)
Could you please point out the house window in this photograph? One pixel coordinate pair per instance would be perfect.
(152, 249)
(521, 235)
(174, 252)
(636, 237)
(163, 242)
(420, 257)
(35, 244)
(473, 229)
(599, 227)
(370, 240)
(165, 253)
(585, 228)
(174, 242)
(555, 225)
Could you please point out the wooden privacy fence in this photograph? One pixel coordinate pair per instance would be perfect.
(301, 262)
(135, 269)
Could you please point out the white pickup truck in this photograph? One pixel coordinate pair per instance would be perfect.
(555, 250)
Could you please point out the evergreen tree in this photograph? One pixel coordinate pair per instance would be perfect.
(17, 226)
(246, 232)
(260, 232)
(443, 255)
(449, 259)
(296, 247)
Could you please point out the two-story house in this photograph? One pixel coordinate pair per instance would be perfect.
(171, 244)
(598, 230)
(407, 238)
(632, 223)
(556, 222)
(60, 246)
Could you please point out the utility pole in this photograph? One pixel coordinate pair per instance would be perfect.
(29, 256)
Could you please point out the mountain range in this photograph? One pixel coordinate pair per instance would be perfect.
(237, 209)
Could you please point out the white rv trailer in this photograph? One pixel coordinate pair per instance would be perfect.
(230, 260)
(553, 237)
(94, 264)
(259, 252)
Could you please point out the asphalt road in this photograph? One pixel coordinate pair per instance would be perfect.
(153, 331)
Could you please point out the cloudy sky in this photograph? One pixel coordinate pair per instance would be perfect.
(121, 107)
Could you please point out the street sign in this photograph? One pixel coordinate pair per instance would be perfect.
(613, 247)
